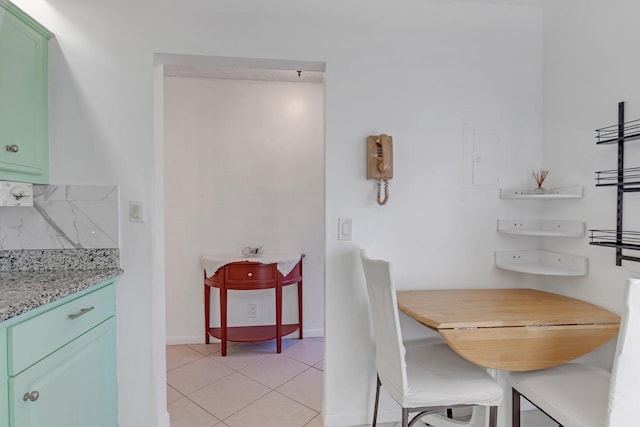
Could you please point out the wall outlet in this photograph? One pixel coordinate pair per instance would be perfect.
(252, 311)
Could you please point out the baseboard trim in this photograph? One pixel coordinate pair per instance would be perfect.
(165, 421)
(179, 340)
(312, 333)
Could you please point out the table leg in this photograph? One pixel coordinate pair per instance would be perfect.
(223, 320)
(300, 307)
(515, 408)
(279, 316)
(207, 311)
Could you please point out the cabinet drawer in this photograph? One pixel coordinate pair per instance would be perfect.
(38, 337)
(250, 273)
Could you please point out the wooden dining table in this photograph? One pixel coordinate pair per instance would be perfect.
(512, 329)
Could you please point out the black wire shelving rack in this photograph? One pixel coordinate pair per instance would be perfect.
(626, 180)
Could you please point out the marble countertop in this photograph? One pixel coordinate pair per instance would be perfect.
(31, 278)
(26, 290)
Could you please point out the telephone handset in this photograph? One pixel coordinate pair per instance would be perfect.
(380, 162)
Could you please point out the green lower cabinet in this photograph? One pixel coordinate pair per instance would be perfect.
(58, 363)
(73, 387)
(24, 111)
(4, 388)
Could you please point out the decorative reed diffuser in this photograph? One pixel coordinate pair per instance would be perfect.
(540, 177)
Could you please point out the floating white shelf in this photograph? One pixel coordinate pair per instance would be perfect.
(542, 227)
(542, 262)
(574, 192)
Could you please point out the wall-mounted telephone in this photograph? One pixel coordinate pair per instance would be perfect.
(380, 163)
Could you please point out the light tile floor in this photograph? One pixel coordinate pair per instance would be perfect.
(255, 386)
(251, 386)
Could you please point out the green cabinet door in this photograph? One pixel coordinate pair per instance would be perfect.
(24, 130)
(4, 375)
(73, 387)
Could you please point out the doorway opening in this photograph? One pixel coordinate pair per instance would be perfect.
(243, 148)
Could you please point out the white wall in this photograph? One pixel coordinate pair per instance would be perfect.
(589, 66)
(416, 83)
(244, 166)
(409, 68)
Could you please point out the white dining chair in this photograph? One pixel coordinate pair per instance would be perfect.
(582, 395)
(426, 377)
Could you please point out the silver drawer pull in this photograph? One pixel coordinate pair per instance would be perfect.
(12, 148)
(33, 396)
(82, 312)
(250, 274)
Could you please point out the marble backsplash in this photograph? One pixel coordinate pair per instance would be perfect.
(63, 217)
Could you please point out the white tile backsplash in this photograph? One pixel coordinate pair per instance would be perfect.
(50, 192)
(63, 217)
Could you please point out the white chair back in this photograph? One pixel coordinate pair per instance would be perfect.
(624, 391)
(390, 351)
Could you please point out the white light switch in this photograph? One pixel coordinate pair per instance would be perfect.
(136, 210)
(344, 228)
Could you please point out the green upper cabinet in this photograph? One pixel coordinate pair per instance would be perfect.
(24, 111)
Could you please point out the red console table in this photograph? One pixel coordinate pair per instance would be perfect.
(247, 276)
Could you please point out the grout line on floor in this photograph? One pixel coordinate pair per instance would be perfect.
(207, 385)
(299, 403)
(233, 370)
(245, 406)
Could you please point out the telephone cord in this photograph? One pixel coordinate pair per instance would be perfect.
(386, 191)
